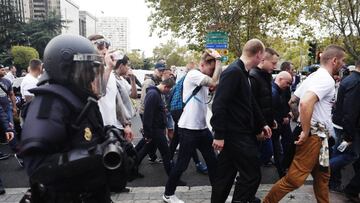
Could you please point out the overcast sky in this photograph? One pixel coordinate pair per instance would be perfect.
(136, 11)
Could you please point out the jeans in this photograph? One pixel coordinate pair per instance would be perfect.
(353, 188)
(266, 150)
(338, 139)
(278, 152)
(175, 141)
(140, 145)
(189, 141)
(158, 140)
(338, 161)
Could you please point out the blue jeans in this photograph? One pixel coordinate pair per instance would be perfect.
(338, 139)
(353, 188)
(266, 150)
(338, 161)
(189, 141)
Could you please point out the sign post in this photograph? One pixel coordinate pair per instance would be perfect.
(220, 41)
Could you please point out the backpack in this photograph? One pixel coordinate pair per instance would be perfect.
(177, 105)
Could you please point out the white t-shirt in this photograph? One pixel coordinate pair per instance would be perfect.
(10, 76)
(27, 83)
(107, 103)
(194, 114)
(323, 85)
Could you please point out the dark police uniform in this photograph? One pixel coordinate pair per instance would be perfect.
(61, 156)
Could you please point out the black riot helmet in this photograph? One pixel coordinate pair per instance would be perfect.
(73, 60)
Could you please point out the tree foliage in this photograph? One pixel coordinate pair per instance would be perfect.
(174, 54)
(137, 61)
(22, 55)
(36, 33)
(242, 19)
(342, 18)
(301, 20)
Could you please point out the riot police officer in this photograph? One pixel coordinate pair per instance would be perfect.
(63, 132)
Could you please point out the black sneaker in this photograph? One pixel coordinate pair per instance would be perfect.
(2, 190)
(4, 156)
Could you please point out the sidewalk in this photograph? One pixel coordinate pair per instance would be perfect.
(198, 194)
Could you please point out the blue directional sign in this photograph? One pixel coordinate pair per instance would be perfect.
(216, 46)
(220, 41)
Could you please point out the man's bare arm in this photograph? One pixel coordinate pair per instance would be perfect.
(294, 106)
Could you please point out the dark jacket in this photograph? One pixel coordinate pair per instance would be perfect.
(261, 89)
(296, 81)
(48, 131)
(279, 103)
(4, 123)
(235, 112)
(347, 108)
(154, 112)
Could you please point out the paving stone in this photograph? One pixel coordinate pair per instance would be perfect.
(198, 194)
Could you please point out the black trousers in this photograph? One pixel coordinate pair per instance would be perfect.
(101, 195)
(176, 138)
(140, 145)
(158, 140)
(278, 152)
(241, 156)
(189, 141)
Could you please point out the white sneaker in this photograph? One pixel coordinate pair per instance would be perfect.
(171, 199)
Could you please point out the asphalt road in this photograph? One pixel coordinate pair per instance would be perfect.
(13, 176)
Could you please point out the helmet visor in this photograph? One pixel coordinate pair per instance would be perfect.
(88, 73)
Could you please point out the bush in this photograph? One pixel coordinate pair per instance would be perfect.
(22, 56)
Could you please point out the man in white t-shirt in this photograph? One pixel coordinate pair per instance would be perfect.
(193, 129)
(316, 94)
(31, 79)
(11, 74)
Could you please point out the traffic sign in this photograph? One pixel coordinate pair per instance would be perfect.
(220, 41)
(216, 46)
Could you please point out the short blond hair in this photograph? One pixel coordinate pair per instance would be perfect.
(330, 52)
(252, 47)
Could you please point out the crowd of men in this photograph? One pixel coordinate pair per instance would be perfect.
(252, 113)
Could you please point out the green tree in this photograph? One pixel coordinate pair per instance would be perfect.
(137, 61)
(22, 55)
(40, 32)
(10, 26)
(242, 19)
(148, 64)
(174, 54)
(340, 20)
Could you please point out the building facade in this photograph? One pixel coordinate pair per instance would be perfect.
(87, 24)
(12, 6)
(116, 30)
(70, 15)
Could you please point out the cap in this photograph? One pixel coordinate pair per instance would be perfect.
(160, 66)
(2, 66)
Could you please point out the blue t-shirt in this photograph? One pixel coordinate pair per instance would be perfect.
(4, 99)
